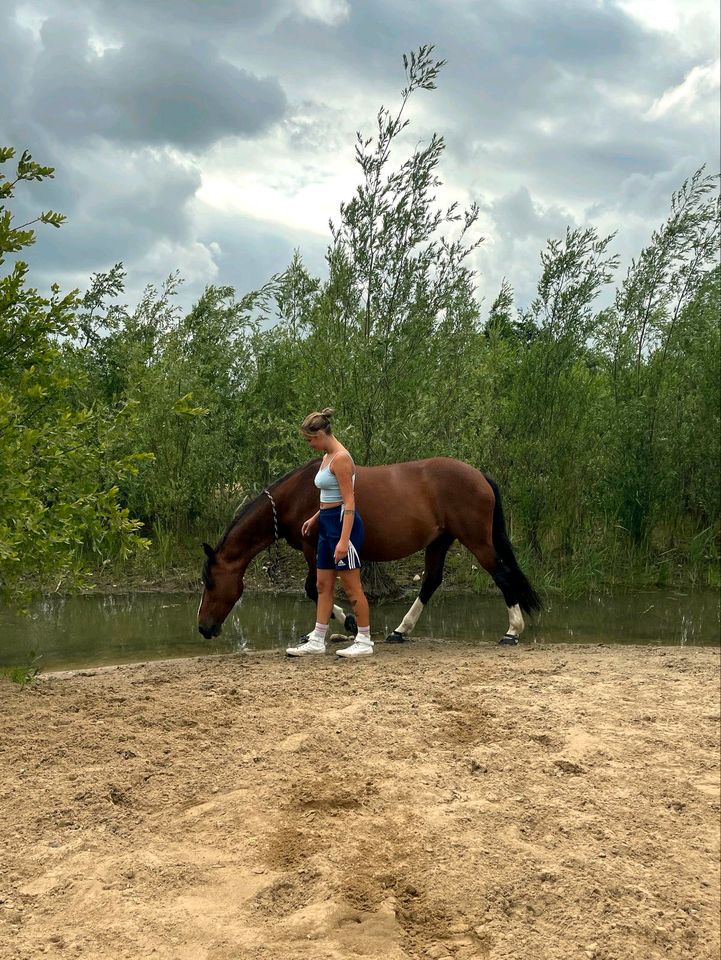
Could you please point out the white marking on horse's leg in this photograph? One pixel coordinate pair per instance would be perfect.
(411, 618)
(338, 613)
(515, 621)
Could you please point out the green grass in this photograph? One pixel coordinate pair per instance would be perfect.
(24, 674)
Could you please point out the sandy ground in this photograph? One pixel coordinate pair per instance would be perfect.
(431, 801)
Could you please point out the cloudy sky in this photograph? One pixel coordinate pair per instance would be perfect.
(216, 136)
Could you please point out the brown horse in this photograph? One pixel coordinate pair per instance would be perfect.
(406, 507)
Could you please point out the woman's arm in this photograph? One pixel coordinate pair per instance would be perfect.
(343, 470)
(309, 524)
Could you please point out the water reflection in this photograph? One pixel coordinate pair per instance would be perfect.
(94, 630)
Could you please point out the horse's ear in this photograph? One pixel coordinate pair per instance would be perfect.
(209, 552)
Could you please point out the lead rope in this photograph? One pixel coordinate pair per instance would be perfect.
(273, 565)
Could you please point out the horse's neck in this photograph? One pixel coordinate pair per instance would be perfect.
(253, 533)
(294, 500)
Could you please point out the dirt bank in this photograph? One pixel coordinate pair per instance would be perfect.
(432, 801)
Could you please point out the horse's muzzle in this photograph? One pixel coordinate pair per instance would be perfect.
(209, 630)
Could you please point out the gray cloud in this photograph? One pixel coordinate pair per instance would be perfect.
(148, 91)
(16, 52)
(504, 59)
(219, 13)
(247, 253)
(130, 207)
(127, 204)
(552, 91)
(518, 217)
(544, 106)
(219, 19)
(518, 230)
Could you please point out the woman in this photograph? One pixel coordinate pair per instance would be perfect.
(340, 536)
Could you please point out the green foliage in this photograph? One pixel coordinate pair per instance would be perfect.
(546, 417)
(665, 318)
(397, 312)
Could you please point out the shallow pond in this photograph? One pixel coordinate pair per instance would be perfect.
(96, 630)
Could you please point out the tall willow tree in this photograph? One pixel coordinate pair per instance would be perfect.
(398, 306)
(664, 304)
(551, 410)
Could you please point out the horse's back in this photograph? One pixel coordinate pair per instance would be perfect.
(405, 506)
(435, 476)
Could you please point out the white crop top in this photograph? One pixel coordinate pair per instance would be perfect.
(327, 482)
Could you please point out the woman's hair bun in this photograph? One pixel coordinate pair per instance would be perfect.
(318, 420)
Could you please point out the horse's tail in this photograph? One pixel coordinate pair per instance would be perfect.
(528, 599)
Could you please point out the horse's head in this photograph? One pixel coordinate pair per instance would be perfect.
(223, 586)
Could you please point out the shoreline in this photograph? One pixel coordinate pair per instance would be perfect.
(421, 643)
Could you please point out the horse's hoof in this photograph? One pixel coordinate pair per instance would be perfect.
(350, 625)
(396, 637)
(508, 640)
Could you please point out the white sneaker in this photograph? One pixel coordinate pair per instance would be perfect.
(311, 645)
(360, 648)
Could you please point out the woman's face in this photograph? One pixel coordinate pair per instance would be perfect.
(317, 440)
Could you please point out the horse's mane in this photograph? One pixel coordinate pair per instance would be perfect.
(242, 512)
(248, 507)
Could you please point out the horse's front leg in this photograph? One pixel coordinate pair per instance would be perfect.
(433, 577)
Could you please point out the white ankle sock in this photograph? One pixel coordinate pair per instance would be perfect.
(364, 633)
(319, 631)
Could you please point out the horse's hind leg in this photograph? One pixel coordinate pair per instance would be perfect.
(433, 576)
(489, 559)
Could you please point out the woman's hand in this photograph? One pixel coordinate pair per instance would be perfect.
(307, 527)
(341, 551)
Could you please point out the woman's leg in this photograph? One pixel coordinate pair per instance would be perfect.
(362, 646)
(326, 584)
(315, 641)
(351, 583)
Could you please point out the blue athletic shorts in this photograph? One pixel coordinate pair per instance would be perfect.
(330, 526)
